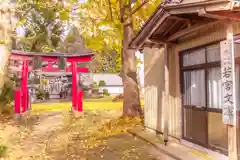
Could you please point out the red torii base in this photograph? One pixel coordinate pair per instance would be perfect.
(21, 94)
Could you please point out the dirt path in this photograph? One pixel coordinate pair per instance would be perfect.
(59, 136)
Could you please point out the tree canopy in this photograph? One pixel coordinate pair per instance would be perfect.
(100, 21)
(43, 23)
(113, 23)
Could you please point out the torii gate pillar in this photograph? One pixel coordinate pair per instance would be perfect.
(77, 103)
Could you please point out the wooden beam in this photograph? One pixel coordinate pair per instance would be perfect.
(183, 11)
(158, 41)
(226, 15)
(152, 43)
(215, 4)
(156, 26)
(203, 13)
(190, 30)
(187, 21)
(168, 30)
(182, 27)
(225, 6)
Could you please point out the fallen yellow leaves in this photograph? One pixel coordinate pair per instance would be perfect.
(117, 126)
(91, 130)
(114, 127)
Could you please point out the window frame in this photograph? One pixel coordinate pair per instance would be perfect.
(203, 66)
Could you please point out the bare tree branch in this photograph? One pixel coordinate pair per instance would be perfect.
(140, 6)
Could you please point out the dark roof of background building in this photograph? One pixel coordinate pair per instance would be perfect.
(53, 54)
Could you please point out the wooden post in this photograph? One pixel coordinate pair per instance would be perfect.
(74, 85)
(229, 91)
(166, 95)
(24, 86)
(17, 101)
(80, 101)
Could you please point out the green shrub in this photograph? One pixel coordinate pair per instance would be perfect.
(102, 83)
(46, 95)
(40, 93)
(105, 92)
(6, 109)
(6, 97)
(95, 85)
(7, 93)
(95, 90)
(3, 151)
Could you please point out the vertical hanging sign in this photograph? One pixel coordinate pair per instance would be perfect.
(228, 82)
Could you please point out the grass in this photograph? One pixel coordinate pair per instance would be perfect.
(88, 104)
(3, 150)
(37, 108)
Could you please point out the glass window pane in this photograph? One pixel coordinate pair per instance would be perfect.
(194, 88)
(213, 53)
(214, 88)
(195, 57)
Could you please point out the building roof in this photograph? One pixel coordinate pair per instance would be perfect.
(153, 18)
(53, 54)
(53, 74)
(175, 18)
(110, 79)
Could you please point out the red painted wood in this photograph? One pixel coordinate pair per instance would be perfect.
(19, 69)
(50, 69)
(80, 101)
(79, 59)
(79, 70)
(50, 59)
(74, 85)
(24, 86)
(17, 57)
(17, 100)
(21, 95)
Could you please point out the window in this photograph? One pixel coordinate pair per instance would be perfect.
(194, 58)
(214, 87)
(213, 53)
(194, 90)
(197, 85)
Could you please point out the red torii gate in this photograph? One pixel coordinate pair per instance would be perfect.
(21, 95)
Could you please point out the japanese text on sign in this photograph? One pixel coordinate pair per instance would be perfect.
(228, 82)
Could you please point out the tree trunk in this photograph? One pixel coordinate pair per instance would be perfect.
(131, 103)
(6, 30)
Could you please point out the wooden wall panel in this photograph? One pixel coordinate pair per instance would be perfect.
(154, 84)
(154, 78)
(153, 87)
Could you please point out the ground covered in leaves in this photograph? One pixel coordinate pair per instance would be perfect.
(98, 134)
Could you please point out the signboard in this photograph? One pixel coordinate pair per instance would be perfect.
(228, 82)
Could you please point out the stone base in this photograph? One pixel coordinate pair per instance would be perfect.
(77, 114)
(22, 118)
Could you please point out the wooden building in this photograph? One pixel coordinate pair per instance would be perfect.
(183, 44)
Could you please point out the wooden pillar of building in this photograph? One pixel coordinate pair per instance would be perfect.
(229, 111)
(232, 129)
(166, 95)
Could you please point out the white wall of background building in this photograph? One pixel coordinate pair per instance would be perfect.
(140, 70)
